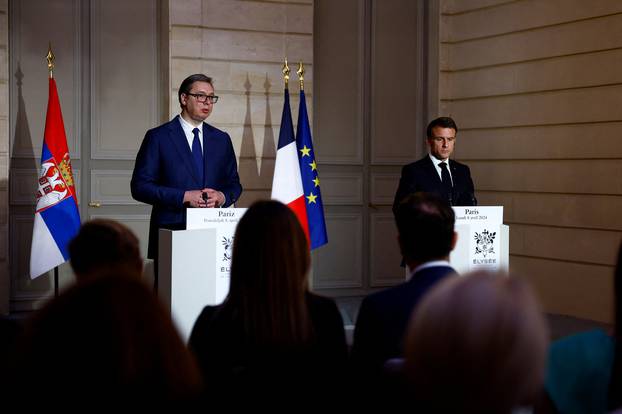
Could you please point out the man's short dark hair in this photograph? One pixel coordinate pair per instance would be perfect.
(102, 245)
(187, 83)
(425, 224)
(443, 122)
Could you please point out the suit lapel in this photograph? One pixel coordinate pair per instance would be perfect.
(454, 174)
(432, 173)
(178, 138)
(207, 146)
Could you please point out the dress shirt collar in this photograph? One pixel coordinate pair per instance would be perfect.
(436, 161)
(188, 127)
(433, 263)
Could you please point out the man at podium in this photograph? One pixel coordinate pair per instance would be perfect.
(185, 163)
(436, 173)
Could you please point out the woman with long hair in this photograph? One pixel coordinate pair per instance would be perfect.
(270, 334)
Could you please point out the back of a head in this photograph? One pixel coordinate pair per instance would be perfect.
(477, 344)
(425, 224)
(269, 268)
(102, 245)
(106, 339)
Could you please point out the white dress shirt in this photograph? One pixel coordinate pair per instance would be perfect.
(436, 161)
(188, 127)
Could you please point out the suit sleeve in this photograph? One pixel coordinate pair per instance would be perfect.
(232, 189)
(145, 184)
(468, 199)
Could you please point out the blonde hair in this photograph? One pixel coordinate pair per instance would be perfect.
(477, 343)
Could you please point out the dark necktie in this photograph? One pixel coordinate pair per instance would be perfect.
(446, 179)
(197, 153)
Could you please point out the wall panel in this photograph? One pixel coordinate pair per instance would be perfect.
(569, 288)
(522, 15)
(536, 88)
(565, 39)
(560, 142)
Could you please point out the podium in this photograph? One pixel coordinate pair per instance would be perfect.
(194, 263)
(483, 239)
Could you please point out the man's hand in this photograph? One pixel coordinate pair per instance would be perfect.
(214, 197)
(194, 198)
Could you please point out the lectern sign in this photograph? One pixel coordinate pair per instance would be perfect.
(492, 215)
(480, 236)
(224, 220)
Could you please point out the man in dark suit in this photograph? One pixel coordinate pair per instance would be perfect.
(436, 173)
(426, 236)
(185, 163)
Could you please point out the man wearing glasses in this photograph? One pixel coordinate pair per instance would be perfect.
(185, 163)
(436, 173)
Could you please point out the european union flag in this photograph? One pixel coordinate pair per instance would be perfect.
(310, 178)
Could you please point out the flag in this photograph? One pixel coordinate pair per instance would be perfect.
(310, 178)
(57, 219)
(287, 182)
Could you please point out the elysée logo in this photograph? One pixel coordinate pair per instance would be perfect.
(484, 242)
(227, 244)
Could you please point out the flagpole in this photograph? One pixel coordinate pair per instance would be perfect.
(286, 73)
(301, 76)
(50, 58)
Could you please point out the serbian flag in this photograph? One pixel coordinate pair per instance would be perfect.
(57, 219)
(310, 178)
(287, 181)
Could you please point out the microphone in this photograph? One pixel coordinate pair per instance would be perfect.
(473, 199)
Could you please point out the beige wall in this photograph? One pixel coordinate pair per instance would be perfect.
(4, 157)
(242, 44)
(535, 86)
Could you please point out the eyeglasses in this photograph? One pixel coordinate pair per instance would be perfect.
(203, 98)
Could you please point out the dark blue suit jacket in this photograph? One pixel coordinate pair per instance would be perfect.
(383, 319)
(422, 176)
(165, 170)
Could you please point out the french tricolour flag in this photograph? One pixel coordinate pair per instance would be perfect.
(287, 181)
(57, 219)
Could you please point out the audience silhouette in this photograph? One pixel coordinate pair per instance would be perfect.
(103, 342)
(271, 338)
(425, 224)
(103, 246)
(476, 344)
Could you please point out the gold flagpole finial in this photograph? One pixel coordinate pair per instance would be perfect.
(50, 59)
(301, 75)
(286, 73)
